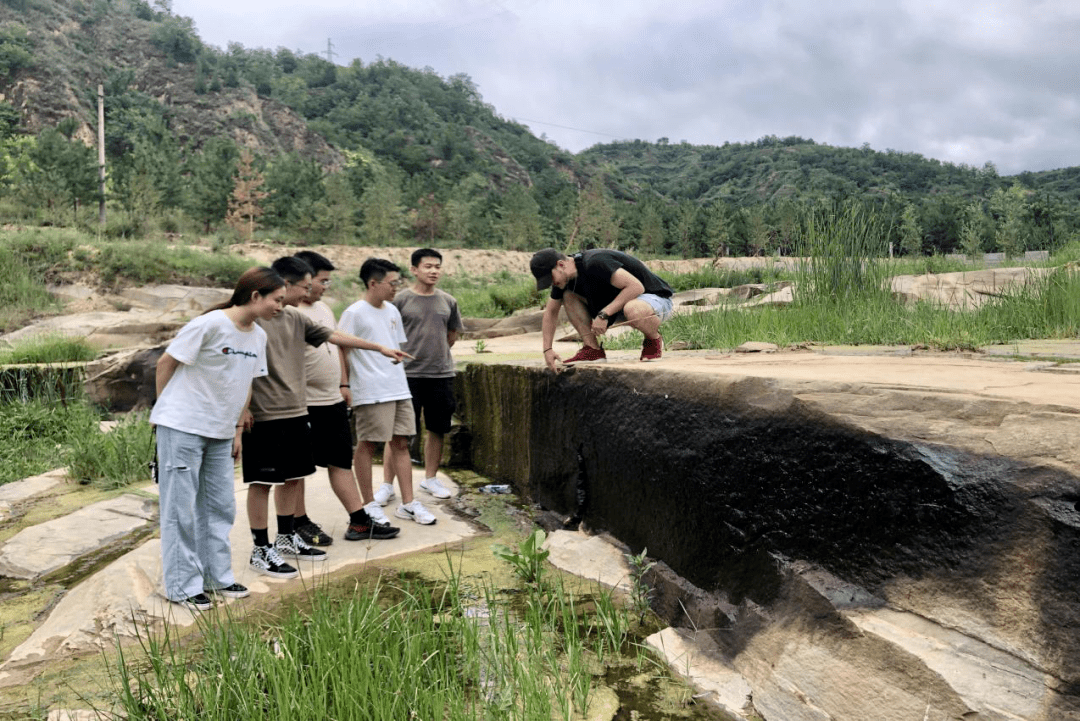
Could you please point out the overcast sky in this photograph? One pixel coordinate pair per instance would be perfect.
(965, 82)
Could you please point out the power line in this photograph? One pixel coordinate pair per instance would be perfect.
(567, 127)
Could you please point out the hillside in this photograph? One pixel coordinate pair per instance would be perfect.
(379, 153)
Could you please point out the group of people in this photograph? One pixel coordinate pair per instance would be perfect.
(271, 373)
(258, 375)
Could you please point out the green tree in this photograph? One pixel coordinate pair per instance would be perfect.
(296, 190)
(383, 214)
(652, 228)
(1008, 208)
(717, 229)
(211, 175)
(462, 209)
(15, 49)
(971, 231)
(685, 228)
(593, 223)
(911, 237)
(519, 220)
(62, 171)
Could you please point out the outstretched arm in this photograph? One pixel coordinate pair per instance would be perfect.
(348, 340)
(548, 323)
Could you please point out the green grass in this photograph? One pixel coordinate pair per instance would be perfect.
(113, 459)
(33, 434)
(1047, 307)
(459, 649)
(48, 349)
(494, 296)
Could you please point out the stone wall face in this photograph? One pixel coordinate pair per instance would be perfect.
(737, 483)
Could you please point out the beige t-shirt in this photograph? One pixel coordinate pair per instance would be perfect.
(323, 363)
(283, 393)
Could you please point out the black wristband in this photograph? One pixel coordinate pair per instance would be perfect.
(547, 349)
(343, 385)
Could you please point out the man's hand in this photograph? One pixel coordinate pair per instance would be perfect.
(236, 447)
(599, 326)
(246, 420)
(346, 394)
(551, 358)
(395, 355)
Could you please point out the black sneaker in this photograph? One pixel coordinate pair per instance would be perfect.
(313, 535)
(234, 591)
(292, 546)
(374, 531)
(267, 561)
(198, 602)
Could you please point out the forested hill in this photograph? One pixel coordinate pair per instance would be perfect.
(380, 153)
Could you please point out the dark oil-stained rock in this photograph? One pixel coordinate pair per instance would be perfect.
(956, 508)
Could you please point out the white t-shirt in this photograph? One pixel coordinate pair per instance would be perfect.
(323, 363)
(207, 392)
(374, 378)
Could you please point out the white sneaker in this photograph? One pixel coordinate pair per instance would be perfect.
(435, 488)
(385, 494)
(375, 513)
(416, 512)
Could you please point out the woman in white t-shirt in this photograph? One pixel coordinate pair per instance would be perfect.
(203, 387)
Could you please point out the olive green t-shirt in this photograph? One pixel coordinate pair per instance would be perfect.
(427, 319)
(283, 392)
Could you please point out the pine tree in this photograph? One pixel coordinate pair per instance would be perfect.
(244, 208)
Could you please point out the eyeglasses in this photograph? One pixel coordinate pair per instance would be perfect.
(395, 283)
(325, 282)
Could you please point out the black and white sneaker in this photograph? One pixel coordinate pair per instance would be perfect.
(198, 602)
(294, 547)
(267, 561)
(234, 591)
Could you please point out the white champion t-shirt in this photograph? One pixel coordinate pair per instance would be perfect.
(374, 378)
(217, 364)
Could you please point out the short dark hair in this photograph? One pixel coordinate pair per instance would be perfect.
(317, 261)
(422, 253)
(376, 269)
(292, 268)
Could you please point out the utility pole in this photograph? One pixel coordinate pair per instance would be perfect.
(330, 51)
(101, 153)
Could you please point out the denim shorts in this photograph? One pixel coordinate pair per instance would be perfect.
(663, 307)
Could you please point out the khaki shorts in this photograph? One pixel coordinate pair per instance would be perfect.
(379, 422)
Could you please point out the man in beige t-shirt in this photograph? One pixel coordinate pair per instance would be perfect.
(328, 401)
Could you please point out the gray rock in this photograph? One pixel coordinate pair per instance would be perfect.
(29, 487)
(46, 547)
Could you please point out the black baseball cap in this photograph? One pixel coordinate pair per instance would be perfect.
(541, 264)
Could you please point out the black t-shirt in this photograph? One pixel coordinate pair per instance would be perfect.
(593, 281)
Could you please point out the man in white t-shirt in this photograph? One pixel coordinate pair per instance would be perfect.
(382, 404)
(328, 415)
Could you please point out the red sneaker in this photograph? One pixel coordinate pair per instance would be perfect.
(652, 348)
(587, 355)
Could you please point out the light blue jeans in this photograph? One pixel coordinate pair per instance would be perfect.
(197, 512)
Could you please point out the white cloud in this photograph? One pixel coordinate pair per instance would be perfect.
(956, 81)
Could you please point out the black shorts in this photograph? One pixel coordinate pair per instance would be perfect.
(277, 451)
(435, 398)
(331, 435)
